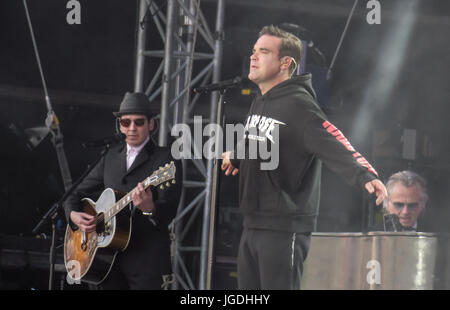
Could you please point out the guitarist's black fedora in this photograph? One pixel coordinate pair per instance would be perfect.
(137, 103)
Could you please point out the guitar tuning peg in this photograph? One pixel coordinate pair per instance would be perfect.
(167, 166)
(173, 181)
(167, 184)
(161, 187)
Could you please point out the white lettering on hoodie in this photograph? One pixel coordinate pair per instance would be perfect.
(265, 125)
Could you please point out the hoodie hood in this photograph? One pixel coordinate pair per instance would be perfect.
(298, 83)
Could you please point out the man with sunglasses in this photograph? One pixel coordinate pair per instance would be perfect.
(407, 198)
(146, 261)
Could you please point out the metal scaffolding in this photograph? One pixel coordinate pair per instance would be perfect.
(180, 29)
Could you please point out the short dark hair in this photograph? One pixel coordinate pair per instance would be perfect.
(290, 45)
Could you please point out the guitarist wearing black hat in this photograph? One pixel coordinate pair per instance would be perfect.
(146, 259)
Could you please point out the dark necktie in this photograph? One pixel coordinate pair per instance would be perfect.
(407, 228)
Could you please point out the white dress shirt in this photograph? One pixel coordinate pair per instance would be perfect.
(133, 152)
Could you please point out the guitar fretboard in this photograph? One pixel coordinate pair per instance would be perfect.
(126, 200)
(160, 176)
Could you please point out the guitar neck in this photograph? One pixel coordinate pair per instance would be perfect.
(126, 200)
(158, 177)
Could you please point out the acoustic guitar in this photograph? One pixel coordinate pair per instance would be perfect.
(88, 257)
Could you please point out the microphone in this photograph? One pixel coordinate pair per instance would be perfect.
(118, 137)
(237, 81)
(391, 222)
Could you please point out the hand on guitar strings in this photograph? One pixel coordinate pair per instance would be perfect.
(83, 220)
(143, 199)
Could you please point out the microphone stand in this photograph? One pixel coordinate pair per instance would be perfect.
(213, 176)
(215, 183)
(52, 215)
(368, 212)
(209, 218)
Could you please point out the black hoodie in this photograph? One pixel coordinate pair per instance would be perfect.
(284, 194)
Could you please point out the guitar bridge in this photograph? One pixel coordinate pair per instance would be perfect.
(106, 231)
(83, 241)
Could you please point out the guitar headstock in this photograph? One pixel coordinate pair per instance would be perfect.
(162, 176)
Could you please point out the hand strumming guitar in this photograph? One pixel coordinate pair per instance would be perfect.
(84, 221)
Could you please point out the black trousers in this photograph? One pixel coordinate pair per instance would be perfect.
(271, 260)
(121, 278)
(144, 263)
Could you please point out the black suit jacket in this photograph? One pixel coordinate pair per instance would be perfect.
(149, 247)
(387, 225)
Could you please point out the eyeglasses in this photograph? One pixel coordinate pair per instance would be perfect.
(400, 205)
(126, 122)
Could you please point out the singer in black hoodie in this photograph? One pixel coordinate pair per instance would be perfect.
(287, 137)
